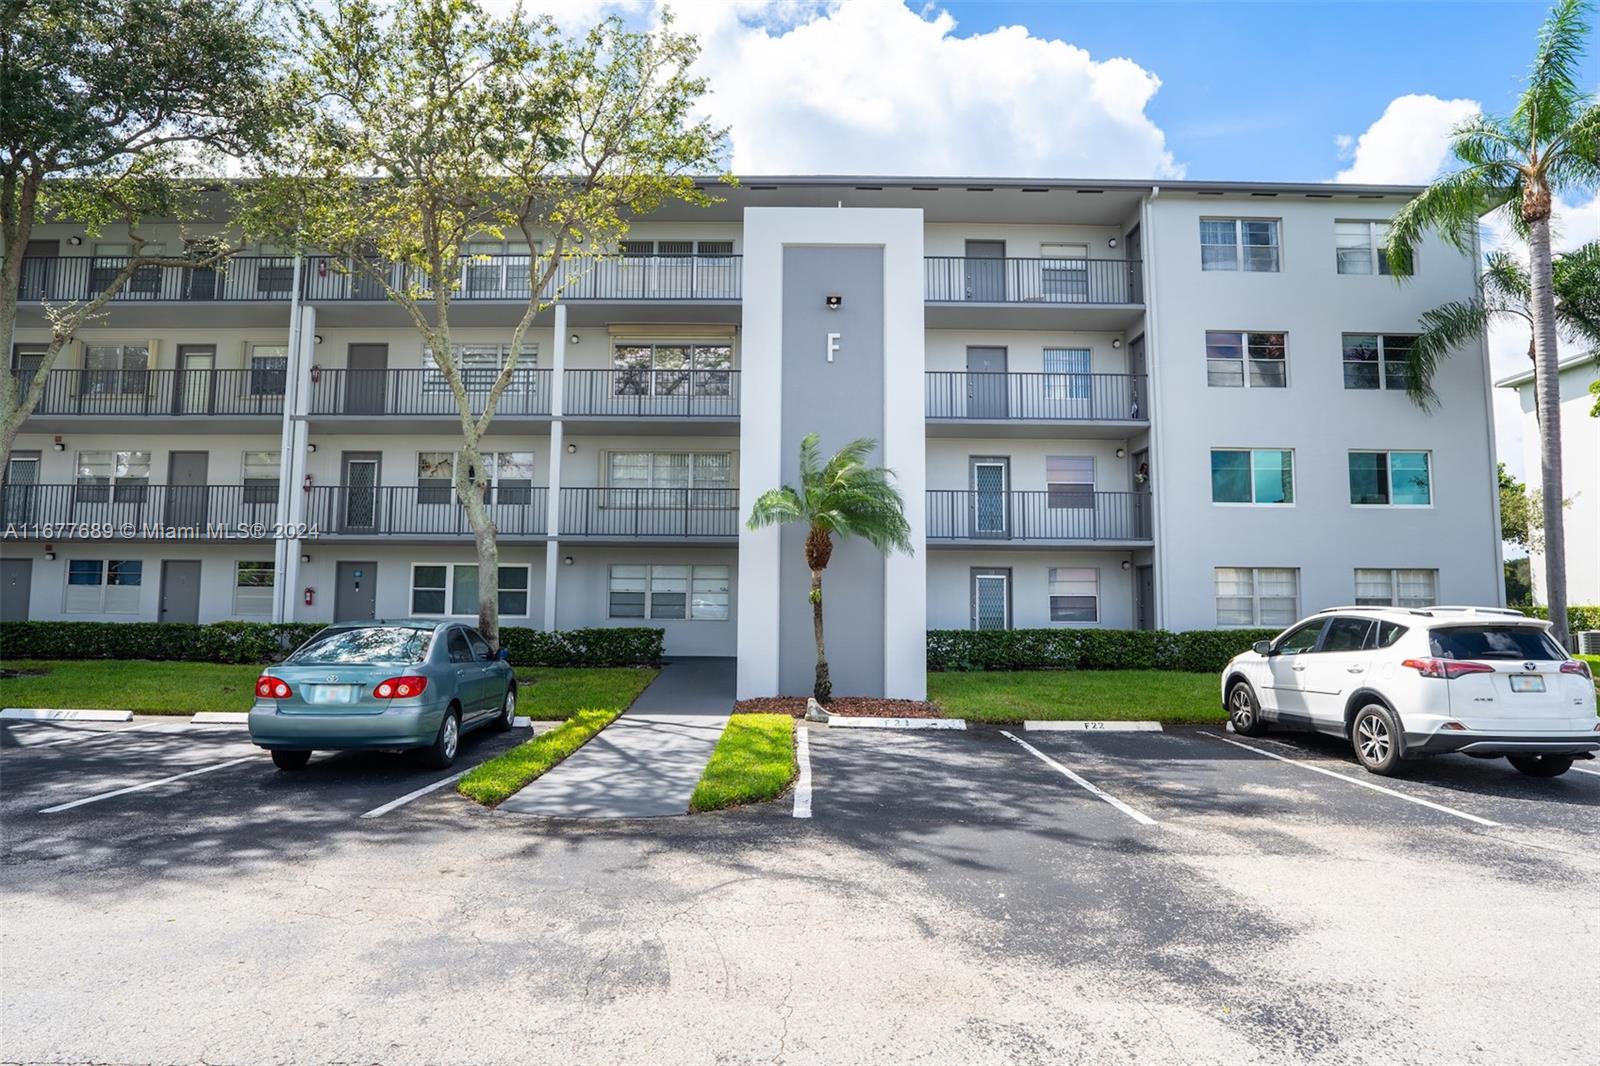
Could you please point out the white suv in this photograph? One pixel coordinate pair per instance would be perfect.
(1399, 684)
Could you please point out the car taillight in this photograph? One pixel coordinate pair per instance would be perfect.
(399, 688)
(1576, 666)
(1446, 668)
(272, 688)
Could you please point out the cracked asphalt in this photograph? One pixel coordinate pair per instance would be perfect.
(953, 899)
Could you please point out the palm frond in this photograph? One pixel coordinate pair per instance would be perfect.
(1505, 277)
(775, 507)
(840, 495)
(1450, 206)
(1553, 96)
(1575, 276)
(1444, 329)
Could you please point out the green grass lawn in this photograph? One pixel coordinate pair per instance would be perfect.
(553, 693)
(498, 778)
(753, 761)
(1012, 696)
(137, 685)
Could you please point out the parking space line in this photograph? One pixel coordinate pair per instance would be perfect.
(148, 784)
(418, 794)
(91, 735)
(1355, 781)
(1586, 770)
(1090, 787)
(802, 785)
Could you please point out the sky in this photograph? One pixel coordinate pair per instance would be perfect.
(1287, 91)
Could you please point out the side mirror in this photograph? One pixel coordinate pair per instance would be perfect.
(503, 655)
(1262, 647)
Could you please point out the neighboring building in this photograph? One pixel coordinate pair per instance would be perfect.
(1109, 404)
(1580, 474)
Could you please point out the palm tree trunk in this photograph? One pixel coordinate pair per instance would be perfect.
(1547, 403)
(822, 687)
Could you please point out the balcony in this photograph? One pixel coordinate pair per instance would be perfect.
(1023, 293)
(201, 400)
(965, 403)
(378, 511)
(644, 395)
(1064, 516)
(423, 393)
(626, 515)
(135, 511)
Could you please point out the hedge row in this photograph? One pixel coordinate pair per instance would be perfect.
(1578, 618)
(1199, 650)
(257, 642)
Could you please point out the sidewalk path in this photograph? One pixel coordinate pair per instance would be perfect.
(647, 762)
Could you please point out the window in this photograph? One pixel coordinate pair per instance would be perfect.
(274, 272)
(480, 647)
(1069, 481)
(103, 586)
(434, 477)
(496, 267)
(663, 591)
(1260, 476)
(671, 369)
(1397, 588)
(1301, 638)
(704, 479)
(1376, 361)
(1067, 373)
(1257, 596)
(269, 369)
(1360, 245)
(1064, 272)
(119, 477)
(1393, 479)
(510, 477)
(115, 370)
(1249, 244)
(1228, 353)
(261, 476)
(1074, 594)
(435, 584)
(456, 646)
(252, 588)
(109, 259)
(1346, 634)
(480, 366)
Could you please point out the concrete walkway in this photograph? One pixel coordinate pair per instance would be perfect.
(646, 763)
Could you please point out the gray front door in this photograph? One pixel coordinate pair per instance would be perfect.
(180, 590)
(38, 263)
(186, 489)
(1136, 379)
(355, 593)
(16, 589)
(193, 393)
(986, 271)
(991, 598)
(1133, 244)
(358, 507)
(987, 395)
(991, 484)
(366, 382)
(1145, 597)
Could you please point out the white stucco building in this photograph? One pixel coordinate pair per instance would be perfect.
(1113, 404)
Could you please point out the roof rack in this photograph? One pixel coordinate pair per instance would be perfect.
(1369, 609)
(1429, 612)
(1504, 612)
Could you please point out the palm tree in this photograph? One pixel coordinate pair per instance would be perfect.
(1550, 143)
(842, 496)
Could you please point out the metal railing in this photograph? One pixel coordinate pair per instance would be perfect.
(614, 512)
(1063, 513)
(130, 510)
(1034, 396)
(160, 392)
(421, 510)
(955, 278)
(652, 393)
(423, 392)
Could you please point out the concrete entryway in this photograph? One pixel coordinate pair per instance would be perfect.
(646, 763)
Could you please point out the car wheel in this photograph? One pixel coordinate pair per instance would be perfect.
(1244, 712)
(1541, 765)
(1375, 736)
(508, 712)
(443, 751)
(290, 760)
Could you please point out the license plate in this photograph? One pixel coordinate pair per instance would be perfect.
(331, 693)
(1527, 683)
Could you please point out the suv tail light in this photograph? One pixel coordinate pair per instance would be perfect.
(1576, 666)
(273, 688)
(400, 688)
(1447, 668)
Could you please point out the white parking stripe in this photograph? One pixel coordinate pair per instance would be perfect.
(418, 794)
(1586, 770)
(147, 784)
(1355, 781)
(802, 785)
(1138, 816)
(89, 735)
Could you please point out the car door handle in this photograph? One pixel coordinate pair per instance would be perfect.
(1355, 669)
(1297, 668)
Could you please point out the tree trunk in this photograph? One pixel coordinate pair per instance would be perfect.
(470, 490)
(1547, 403)
(822, 687)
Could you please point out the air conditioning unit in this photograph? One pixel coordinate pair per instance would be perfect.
(1589, 642)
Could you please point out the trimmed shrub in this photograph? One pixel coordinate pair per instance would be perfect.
(1578, 618)
(598, 646)
(1198, 650)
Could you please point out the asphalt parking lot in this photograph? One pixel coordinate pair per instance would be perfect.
(968, 896)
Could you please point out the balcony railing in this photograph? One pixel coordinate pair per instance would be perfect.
(160, 392)
(653, 393)
(1063, 513)
(424, 392)
(1037, 397)
(137, 511)
(616, 512)
(421, 510)
(270, 279)
(954, 279)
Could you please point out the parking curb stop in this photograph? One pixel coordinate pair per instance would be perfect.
(221, 718)
(836, 721)
(1091, 726)
(64, 714)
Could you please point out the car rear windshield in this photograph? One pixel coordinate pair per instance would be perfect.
(1493, 642)
(369, 644)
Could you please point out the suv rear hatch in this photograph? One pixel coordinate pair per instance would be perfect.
(1513, 681)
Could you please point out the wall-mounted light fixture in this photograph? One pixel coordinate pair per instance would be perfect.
(835, 302)
(1127, 564)
(1116, 342)
(305, 558)
(50, 552)
(572, 449)
(573, 339)
(1121, 452)
(1112, 243)
(566, 560)
(74, 240)
(317, 337)
(311, 448)
(58, 444)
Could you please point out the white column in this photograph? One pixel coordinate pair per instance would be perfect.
(552, 554)
(301, 356)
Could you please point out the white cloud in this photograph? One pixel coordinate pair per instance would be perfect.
(1409, 143)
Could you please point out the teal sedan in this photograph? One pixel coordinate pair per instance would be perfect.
(407, 684)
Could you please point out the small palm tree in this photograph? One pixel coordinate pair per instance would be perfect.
(842, 496)
(1549, 143)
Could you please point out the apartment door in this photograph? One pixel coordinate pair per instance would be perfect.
(201, 283)
(366, 380)
(1144, 597)
(987, 394)
(16, 589)
(991, 598)
(180, 590)
(358, 512)
(355, 591)
(991, 484)
(21, 488)
(1133, 247)
(186, 489)
(986, 271)
(196, 382)
(38, 263)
